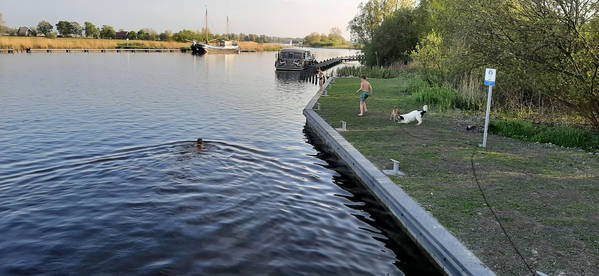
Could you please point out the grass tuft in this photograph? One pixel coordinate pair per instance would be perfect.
(444, 98)
(559, 135)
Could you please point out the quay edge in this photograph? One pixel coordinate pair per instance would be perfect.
(450, 255)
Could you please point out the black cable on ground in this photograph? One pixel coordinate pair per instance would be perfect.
(532, 272)
(487, 203)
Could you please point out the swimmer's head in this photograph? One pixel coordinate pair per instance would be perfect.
(200, 141)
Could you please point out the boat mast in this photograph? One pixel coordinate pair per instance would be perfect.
(206, 30)
(228, 37)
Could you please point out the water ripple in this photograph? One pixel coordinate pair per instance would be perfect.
(104, 177)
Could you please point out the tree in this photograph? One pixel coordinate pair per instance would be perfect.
(166, 35)
(336, 36)
(152, 34)
(1, 23)
(312, 38)
(76, 29)
(32, 31)
(65, 28)
(91, 30)
(430, 56)
(187, 36)
(132, 35)
(394, 40)
(370, 16)
(142, 34)
(542, 49)
(107, 32)
(44, 27)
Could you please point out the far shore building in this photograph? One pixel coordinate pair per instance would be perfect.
(121, 35)
(23, 31)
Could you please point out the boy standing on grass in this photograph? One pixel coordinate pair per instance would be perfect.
(365, 87)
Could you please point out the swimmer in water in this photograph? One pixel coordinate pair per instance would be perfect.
(200, 143)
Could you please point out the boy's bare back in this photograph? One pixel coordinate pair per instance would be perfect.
(365, 86)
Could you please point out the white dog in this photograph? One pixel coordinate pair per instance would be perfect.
(415, 115)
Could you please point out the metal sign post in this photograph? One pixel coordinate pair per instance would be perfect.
(490, 81)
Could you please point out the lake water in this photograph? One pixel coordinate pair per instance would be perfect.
(99, 172)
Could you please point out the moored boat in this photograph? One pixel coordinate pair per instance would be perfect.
(224, 47)
(294, 59)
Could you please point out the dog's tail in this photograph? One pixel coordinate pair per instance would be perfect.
(424, 110)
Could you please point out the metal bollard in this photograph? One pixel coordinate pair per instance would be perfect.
(395, 171)
(317, 106)
(395, 166)
(343, 126)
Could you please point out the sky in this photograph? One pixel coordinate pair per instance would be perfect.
(284, 18)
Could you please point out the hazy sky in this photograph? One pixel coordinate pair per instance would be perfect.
(293, 18)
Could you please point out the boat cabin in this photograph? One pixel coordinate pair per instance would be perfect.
(293, 59)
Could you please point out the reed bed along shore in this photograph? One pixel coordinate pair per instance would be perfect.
(23, 43)
(259, 47)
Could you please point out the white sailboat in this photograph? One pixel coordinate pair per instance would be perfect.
(223, 47)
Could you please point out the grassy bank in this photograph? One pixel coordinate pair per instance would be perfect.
(546, 197)
(22, 43)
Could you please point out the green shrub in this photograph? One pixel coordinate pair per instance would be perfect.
(563, 136)
(444, 98)
(414, 84)
(51, 35)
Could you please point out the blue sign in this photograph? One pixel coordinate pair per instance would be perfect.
(490, 76)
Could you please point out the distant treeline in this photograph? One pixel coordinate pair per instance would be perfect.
(546, 52)
(333, 39)
(90, 30)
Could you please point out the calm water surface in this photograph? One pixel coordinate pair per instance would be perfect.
(99, 172)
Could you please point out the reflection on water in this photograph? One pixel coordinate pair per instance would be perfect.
(100, 173)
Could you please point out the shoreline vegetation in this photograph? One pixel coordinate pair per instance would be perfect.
(544, 195)
(540, 126)
(545, 53)
(333, 40)
(23, 43)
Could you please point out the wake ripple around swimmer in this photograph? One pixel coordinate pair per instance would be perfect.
(171, 207)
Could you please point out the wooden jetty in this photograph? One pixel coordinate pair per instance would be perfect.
(310, 73)
(326, 64)
(329, 63)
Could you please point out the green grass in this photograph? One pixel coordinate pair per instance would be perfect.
(559, 135)
(547, 197)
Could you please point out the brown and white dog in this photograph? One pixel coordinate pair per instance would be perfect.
(415, 115)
